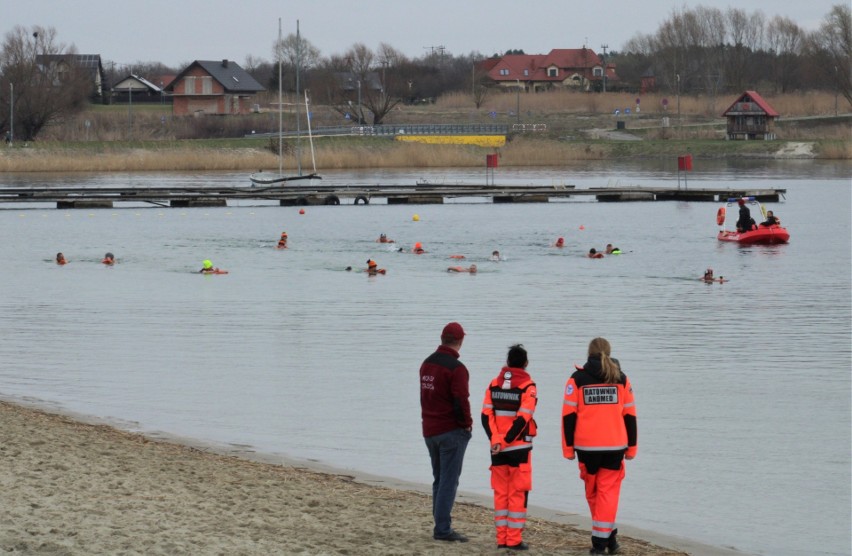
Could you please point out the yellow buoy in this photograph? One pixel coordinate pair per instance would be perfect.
(416, 218)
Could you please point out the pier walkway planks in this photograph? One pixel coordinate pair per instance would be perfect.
(420, 193)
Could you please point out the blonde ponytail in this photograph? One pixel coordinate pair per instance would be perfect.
(611, 371)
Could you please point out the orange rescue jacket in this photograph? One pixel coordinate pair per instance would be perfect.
(596, 416)
(508, 408)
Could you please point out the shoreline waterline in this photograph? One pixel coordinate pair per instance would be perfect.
(48, 415)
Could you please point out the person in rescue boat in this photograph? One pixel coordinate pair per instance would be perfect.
(599, 429)
(447, 425)
(745, 221)
(507, 416)
(771, 220)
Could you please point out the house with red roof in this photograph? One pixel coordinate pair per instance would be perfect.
(213, 87)
(751, 117)
(562, 68)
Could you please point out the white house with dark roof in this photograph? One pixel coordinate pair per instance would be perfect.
(136, 89)
(213, 87)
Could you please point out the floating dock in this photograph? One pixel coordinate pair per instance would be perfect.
(420, 193)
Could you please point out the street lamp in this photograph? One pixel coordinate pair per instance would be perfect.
(359, 103)
(11, 113)
(677, 75)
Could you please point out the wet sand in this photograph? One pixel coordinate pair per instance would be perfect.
(69, 485)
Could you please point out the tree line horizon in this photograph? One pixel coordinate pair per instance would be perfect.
(701, 50)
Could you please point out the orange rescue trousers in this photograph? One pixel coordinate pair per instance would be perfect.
(602, 490)
(511, 488)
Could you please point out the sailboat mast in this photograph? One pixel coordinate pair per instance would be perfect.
(298, 117)
(280, 106)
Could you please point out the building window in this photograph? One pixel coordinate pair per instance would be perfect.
(504, 72)
(552, 72)
(597, 72)
(189, 85)
(526, 72)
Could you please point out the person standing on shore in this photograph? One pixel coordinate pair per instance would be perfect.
(599, 427)
(447, 424)
(507, 416)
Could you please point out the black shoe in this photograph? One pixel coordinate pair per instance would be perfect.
(595, 550)
(612, 544)
(520, 546)
(454, 536)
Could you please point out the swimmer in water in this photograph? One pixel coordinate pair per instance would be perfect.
(282, 242)
(495, 256)
(610, 250)
(560, 242)
(593, 254)
(471, 269)
(373, 268)
(383, 238)
(60, 259)
(708, 275)
(418, 249)
(109, 259)
(207, 267)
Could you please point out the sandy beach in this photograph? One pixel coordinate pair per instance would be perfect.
(74, 487)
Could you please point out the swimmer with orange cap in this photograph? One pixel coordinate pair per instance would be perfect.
(109, 259)
(282, 242)
(560, 242)
(418, 248)
(373, 268)
(60, 259)
(471, 269)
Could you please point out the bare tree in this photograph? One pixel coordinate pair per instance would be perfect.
(48, 83)
(746, 37)
(784, 39)
(831, 49)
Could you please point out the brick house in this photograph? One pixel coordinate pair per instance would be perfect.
(213, 87)
(750, 117)
(566, 68)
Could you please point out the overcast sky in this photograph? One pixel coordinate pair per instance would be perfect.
(175, 32)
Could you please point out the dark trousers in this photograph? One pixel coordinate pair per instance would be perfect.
(447, 453)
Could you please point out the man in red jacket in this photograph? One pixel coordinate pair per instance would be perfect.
(445, 409)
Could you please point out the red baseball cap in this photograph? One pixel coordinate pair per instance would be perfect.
(453, 331)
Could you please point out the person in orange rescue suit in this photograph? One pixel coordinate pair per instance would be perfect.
(507, 415)
(599, 427)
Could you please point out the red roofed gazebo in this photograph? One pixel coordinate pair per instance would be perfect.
(751, 117)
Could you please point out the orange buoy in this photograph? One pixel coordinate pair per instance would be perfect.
(720, 216)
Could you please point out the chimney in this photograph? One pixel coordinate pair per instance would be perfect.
(225, 63)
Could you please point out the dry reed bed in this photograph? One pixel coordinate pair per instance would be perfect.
(520, 152)
(815, 103)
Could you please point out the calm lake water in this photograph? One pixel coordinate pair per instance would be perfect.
(743, 388)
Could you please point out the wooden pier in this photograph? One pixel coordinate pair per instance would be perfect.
(420, 193)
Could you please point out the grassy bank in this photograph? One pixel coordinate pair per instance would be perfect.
(578, 127)
(360, 153)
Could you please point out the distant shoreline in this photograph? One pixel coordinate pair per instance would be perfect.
(252, 155)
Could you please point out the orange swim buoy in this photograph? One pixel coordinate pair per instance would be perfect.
(720, 216)
(457, 256)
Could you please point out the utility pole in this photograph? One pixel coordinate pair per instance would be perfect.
(604, 47)
(11, 113)
(518, 107)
